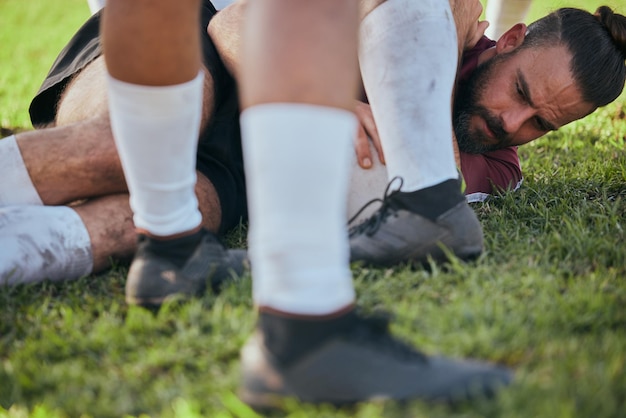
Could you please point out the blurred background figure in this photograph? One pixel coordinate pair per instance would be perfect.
(503, 14)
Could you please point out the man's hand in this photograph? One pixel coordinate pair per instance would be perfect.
(368, 134)
(469, 29)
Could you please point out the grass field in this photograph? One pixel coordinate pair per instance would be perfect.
(548, 298)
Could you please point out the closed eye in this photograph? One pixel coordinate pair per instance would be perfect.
(520, 92)
(542, 125)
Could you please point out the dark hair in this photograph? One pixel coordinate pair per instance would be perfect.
(597, 43)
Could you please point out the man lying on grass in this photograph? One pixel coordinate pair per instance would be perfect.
(64, 209)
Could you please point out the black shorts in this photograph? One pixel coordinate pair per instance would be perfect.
(219, 155)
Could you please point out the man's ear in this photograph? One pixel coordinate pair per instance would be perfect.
(511, 39)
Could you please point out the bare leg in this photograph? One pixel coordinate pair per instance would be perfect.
(277, 32)
(295, 52)
(90, 167)
(154, 108)
(162, 57)
(299, 78)
(152, 53)
(77, 160)
(109, 222)
(72, 162)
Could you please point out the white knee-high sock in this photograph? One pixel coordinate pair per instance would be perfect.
(408, 58)
(503, 14)
(42, 242)
(16, 187)
(156, 132)
(95, 5)
(297, 166)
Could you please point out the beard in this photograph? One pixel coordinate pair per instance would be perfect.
(466, 105)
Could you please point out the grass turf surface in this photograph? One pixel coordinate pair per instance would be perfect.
(547, 298)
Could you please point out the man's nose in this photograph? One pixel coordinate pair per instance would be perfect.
(514, 118)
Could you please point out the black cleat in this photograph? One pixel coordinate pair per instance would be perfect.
(362, 363)
(152, 278)
(395, 234)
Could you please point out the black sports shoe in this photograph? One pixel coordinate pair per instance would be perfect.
(361, 363)
(395, 234)
(153, 278)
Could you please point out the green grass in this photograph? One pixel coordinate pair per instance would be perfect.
(548, 298)
(31, 35)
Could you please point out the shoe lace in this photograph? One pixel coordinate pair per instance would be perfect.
(374, 331)
(370, 225)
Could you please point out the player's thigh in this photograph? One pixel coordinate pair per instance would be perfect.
(209, 203)
(86, 95)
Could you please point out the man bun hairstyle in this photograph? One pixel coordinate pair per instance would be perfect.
(597, 43)
(615, 25)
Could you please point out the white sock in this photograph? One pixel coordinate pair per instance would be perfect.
(408, 58)
(16, 187)
(95, 5)
(297, 166)
(503, 14)
(156, 132)
(42, 242)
